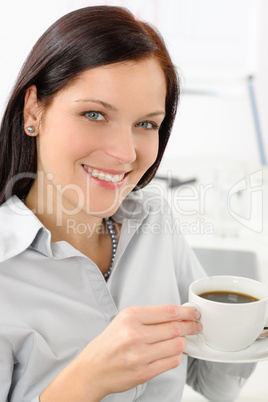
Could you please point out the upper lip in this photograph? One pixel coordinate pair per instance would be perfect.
(108, 171)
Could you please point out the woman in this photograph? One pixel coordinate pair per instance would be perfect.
(92, 274)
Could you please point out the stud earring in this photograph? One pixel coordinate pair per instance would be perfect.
(31, 129)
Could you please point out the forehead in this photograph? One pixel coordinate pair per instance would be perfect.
(143, 76)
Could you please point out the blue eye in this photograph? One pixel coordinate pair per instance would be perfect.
(148, 125)
(94, 115)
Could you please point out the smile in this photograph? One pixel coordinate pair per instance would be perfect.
(104, 176)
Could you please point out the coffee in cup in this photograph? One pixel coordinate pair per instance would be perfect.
(233, 310)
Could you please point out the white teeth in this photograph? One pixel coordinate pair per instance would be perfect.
(108, 177)
(101, 176)
(105, 176)
(95, 173)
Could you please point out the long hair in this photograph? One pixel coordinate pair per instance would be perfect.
(83, 39)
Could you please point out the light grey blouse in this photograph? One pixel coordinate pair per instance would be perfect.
(54, 301)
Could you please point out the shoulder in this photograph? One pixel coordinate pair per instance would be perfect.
(18, 228)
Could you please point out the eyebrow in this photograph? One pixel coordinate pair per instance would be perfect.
(100, 102)
(160, 113)
(108, 106)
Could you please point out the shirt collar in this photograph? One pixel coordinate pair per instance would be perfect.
(21, 229)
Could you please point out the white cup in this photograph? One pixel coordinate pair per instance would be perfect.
(230, 326)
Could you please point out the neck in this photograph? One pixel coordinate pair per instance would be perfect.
(68, 222)
(64, 220)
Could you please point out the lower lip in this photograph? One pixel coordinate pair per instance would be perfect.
(106, 184)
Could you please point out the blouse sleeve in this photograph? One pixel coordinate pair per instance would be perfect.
(6, 367)
(218, 382)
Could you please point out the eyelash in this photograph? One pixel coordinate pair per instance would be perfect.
(155, 126)
(94, 112)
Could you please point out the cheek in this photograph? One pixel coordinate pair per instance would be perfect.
(61, 144)
(149, 152)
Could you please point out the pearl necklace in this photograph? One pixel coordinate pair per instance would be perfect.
(110, 227)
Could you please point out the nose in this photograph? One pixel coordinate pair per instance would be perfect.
(121, 145)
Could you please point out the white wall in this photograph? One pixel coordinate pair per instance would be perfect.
(217, 48)
(262, 75)
(21, 24)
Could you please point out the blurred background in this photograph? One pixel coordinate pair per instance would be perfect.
(215, 168)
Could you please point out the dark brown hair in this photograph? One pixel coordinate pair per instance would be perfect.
(83, 39)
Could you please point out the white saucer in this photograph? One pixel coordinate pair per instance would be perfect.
(196, 347)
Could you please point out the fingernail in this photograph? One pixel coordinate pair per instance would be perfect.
(199, 326)
(197, 315)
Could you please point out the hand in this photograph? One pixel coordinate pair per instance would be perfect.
(139, 344)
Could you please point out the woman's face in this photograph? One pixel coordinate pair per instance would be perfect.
(100, 135)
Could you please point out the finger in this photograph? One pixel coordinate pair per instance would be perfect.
(162, 350)
(164, 313)
(157, 367)
(161, 332)
(160, 366)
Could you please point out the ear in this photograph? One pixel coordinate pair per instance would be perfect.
(31, 111)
